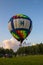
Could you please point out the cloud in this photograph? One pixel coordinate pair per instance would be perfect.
(11, 44)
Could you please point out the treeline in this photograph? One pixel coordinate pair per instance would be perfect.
(30, 50)
(6, 52)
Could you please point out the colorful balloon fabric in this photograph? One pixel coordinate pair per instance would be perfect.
(20, 26)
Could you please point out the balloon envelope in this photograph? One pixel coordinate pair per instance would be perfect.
(20, 26)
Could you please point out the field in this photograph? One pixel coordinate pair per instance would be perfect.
(23, 60)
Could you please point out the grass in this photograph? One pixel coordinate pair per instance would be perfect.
(23, 60)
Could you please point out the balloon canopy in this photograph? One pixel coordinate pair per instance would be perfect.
(20, 26)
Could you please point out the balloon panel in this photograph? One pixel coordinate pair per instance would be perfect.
(21, 23)
(20, 34)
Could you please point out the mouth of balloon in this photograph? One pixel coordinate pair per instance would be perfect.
(20, 34)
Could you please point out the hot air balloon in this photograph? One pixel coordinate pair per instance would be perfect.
(20, 26)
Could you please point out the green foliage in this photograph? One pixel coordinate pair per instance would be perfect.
(6, 52)
(31, 50)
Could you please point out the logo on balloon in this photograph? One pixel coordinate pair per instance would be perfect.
(22, 23)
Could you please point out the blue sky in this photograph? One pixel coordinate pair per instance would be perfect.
(31, 8)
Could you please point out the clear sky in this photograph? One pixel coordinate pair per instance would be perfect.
(31, 8)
